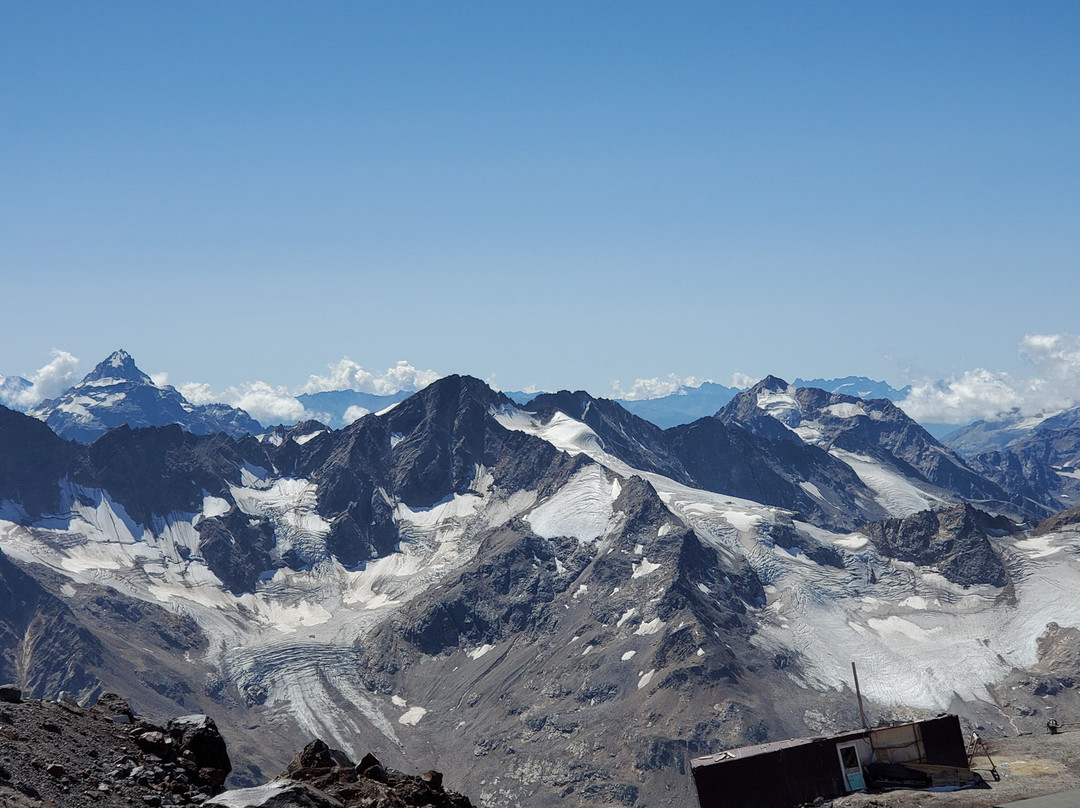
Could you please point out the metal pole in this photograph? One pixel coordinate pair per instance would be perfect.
(858, 694)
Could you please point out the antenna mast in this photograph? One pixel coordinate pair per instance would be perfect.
(858, 694)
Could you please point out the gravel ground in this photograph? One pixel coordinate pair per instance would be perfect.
(68, 757)
(1029, 765)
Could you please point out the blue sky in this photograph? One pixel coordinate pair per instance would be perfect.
(546, 194)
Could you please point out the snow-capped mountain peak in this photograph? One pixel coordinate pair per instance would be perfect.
(116, 392)
(777, 398)
(907, 469)
(118, 367)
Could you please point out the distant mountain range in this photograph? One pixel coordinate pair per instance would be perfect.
(1031, 462)
(687, 404)
(116, 392)
(552, 600)
(1038, 457)
(339, 408)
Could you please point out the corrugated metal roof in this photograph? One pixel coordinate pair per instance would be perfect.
(776, 746)
(769, 747)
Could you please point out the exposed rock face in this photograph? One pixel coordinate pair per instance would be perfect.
(786, 536)
(877, 429)
(42, 644)
(1032, 459)
(1057, 522)
(1016, 430)
(57, 753)
(201, 743)
(777, 470)
(1040, 465)
(60, 754)
(627, 436)
(427, 448)
(321, 777)
(32, 460)
(183, 467)
(955, 541)
(1051, 688)
(1025, 475)
(577, 634)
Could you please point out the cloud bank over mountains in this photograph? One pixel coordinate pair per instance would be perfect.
(47, 382)
(655, 387)
(265, 402)
(275, 404)
(1052, 384)
(348, 375)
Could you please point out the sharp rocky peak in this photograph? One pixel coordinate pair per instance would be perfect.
(573, 404)
(119, 366)
(772, 384)
(449, 397)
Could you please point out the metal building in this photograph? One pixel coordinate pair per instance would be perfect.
(782, 774)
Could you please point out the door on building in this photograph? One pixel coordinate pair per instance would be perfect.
(849, 763)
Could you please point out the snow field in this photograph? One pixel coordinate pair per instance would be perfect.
(921, 639)
(894, 492)
(582, 509)
(780, 405)
(293, 637)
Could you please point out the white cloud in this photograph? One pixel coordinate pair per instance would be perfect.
(268, 404)
(1056, 358)
(354, 413)
(976, 394)
(160, 379)
(264, 402)
(741, 381)
(199, 393)
(349, 375)
(47, 382)
(655, 387)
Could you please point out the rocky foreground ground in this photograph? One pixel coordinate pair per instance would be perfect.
(56, 753)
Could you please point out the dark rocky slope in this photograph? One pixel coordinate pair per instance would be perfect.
(628, 437)
(55, 753)
(776, 469)
(539, 642)
(877, 429)
(321, 777)
(955, 541)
